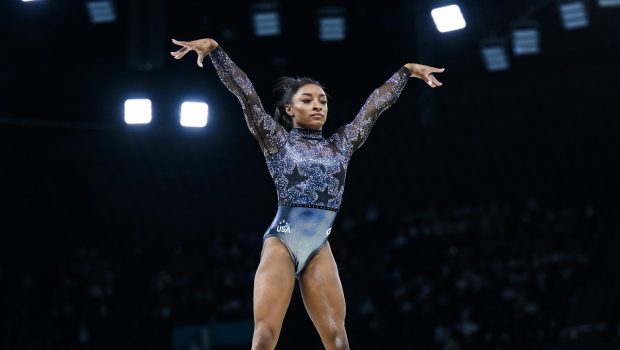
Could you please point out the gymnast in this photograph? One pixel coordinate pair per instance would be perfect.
(309, 174)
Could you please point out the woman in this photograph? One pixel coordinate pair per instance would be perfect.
(309, 172)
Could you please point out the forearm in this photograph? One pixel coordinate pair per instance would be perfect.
(385, 95)
(233, 77)
(378, 101)
(269, 134)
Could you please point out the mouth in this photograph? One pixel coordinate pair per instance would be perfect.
(317, 115)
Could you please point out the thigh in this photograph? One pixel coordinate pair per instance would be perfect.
(273, 284)
(322, 293)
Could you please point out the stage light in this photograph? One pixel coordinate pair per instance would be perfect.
(266, 19)
(332, 23)
(608, 3)
(29, 0)
(332, 29)
(138, 111)
(101, 11)
(525, 41)
(573, 15)
(448, 18)
(194, 114)
(494, 55)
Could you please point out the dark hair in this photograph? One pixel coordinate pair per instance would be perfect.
(283, 93)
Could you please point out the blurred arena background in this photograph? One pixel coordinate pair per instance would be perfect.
(481, 215)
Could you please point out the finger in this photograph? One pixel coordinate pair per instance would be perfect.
(436, 70)
(179, 54)
(434, 80)
(200, 59)
(180, 43)
(185, 44)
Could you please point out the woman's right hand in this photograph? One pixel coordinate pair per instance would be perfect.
(202, 47)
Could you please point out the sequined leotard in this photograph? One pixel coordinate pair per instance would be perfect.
(307, 169)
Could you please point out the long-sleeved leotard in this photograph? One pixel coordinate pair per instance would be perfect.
(307, 169)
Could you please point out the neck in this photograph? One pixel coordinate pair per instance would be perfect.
(307, 133)
(302, 128)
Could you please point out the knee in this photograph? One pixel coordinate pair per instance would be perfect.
(338, 339)
(265, 336)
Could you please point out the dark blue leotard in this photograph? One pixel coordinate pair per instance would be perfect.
(308, 170)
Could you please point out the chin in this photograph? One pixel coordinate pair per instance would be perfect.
(313, 124)
(317, 125)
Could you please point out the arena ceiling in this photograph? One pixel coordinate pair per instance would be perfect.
(58, 66)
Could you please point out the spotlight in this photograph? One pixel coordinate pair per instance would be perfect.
(608, 3)
(138, 111)
(194, 114)
(573, 14)
(448, 18)
(101, 11)
(495, 55)
(266, 19)
(525, 39)
(332, 24)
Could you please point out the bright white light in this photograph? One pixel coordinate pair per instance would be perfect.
(608, 3)
(194, 114)
(138, 111)
(525, 41)
(448, 18)
(495, 58)
(101, 11)
(29, 0)
(332, 28)
(574, 15)
(266, 23)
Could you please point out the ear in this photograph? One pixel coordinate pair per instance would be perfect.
(289, 110)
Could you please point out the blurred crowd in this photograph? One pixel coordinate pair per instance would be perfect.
(500, 276)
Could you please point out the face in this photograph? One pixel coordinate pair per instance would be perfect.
(308, 107)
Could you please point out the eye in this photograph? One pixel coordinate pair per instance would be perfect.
(305, 101)
(324, 102)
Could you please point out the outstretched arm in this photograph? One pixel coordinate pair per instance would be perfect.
(355, 133)
(269, 134)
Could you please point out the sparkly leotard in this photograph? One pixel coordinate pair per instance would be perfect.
(308, 170)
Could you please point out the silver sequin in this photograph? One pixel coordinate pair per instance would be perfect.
(307, 169)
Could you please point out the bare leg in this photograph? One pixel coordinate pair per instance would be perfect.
(324, 299)
(273, 287)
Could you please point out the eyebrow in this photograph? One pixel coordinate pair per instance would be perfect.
(305, 93)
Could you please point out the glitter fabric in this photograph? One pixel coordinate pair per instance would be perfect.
(303, 231)
(307, 169)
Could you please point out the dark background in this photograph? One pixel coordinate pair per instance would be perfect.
(160, 225)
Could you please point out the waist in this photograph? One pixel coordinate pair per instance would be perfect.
(312, 206)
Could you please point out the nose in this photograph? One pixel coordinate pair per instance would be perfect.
(317, 106)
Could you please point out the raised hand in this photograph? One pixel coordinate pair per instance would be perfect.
(202, 47)
(425, 73)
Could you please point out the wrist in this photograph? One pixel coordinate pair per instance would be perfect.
(213, 44)
(411, 68)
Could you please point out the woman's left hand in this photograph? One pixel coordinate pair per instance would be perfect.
(425, 73)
